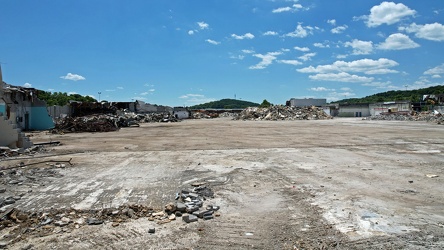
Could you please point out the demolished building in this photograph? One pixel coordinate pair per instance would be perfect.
(20, 109)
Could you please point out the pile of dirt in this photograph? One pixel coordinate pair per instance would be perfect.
(280, 112)
(428, 116)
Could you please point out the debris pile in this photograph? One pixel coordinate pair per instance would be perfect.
(90, 123)
(428, 116)
(158, 117)
(280, 112)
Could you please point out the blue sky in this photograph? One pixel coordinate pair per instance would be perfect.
(181, 53)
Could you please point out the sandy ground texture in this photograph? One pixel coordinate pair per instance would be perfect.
(326, 184)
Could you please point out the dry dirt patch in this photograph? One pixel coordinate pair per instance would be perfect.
(343, 183)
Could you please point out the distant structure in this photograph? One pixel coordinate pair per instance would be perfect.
(306, 102)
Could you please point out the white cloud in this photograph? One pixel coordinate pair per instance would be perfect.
(293, 8)
(291, 62)
(73, 77)
(267, 59)
(119, 87)
(303, 49)
(436, 76)
(301, 31)
(320, 89)
(270, 33)
(340, 77)
(212, 42)
(321, 45)
(27, 85)
(433, 31)
(367, 66)
(203, 25)
(191, 32)
(241, 37)
(282, 9)
(332, 22)
(247, 51)
(398, 41)
(388, 13)
(360, 47)
(307, 56)
(435, 71)
(339, 29)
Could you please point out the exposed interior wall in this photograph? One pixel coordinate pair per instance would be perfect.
(40, 119)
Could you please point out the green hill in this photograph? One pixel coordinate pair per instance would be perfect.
(225, 104)
(397, 95)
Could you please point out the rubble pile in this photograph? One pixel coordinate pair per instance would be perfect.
(203, 114)
(428, 116)
(90, 123)
(280, 112)
(158, 117)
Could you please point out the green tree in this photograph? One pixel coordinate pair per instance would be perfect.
(265, 104)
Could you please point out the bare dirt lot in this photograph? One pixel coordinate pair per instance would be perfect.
(326, 184)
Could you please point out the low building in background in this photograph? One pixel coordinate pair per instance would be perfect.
(306, 102)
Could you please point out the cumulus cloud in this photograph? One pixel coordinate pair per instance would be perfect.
(203, 25)
(321, 45)
(367, 66)
(360, 47)
(73, 77)
(332, 22)
(212, 42)
(388, 13)
(291, 62)
(293, 8)
(339, 29)
(244, 36)
(340, 77)
(303, 49)
(398, 41)
(435, 71)
(27, 85)
(433, 31)
(307, 56)
(301, 31)
(270, 33)
(267, 59)
(191, 32)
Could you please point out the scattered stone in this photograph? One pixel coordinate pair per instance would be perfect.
(115, 224)
(151, 230)
(189, 218)
(2, 190)
(172, 217)
(94, 221)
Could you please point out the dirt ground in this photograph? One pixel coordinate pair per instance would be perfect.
(325, 184)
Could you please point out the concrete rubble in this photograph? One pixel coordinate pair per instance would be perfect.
(428, 116)
(108, 122)
(188, 204)
(280, 112)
